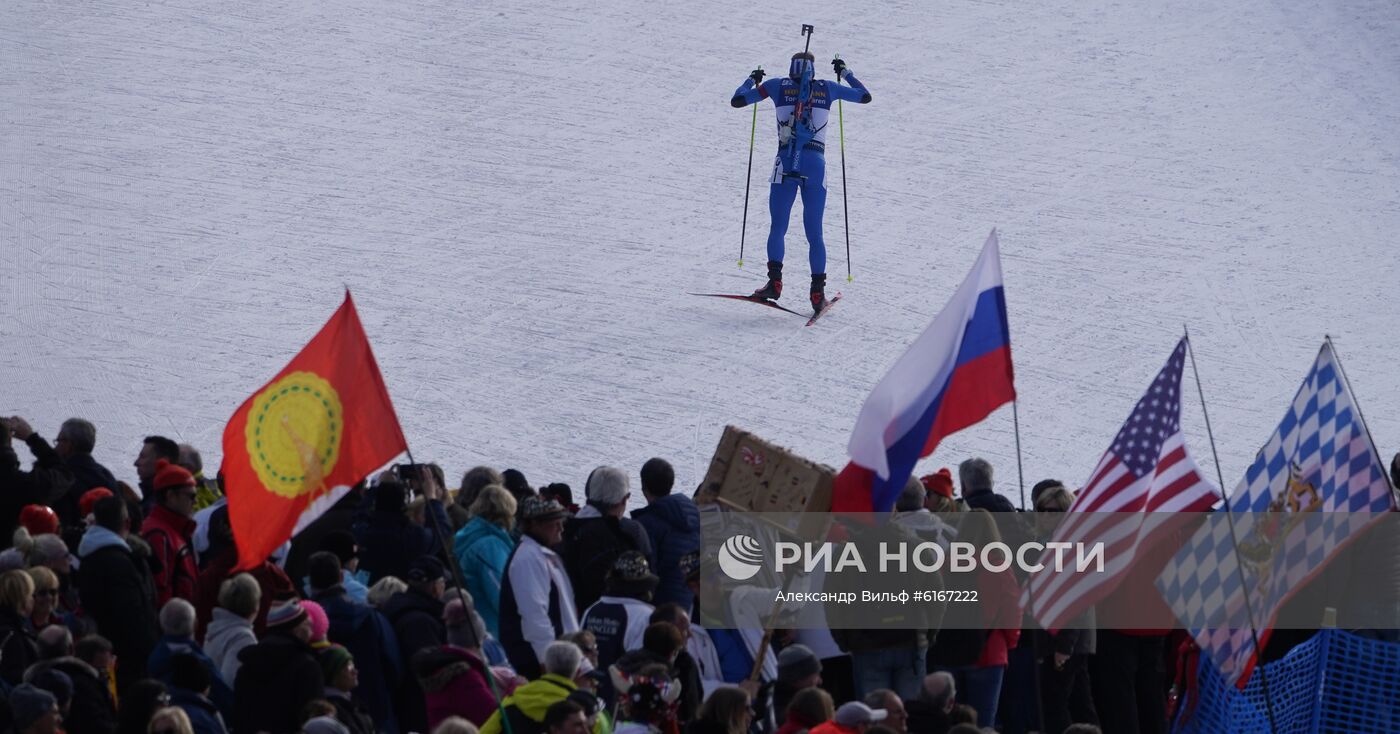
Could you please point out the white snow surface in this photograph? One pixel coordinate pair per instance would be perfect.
(519, 195)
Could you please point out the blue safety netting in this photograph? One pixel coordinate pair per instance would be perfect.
(1335, 682)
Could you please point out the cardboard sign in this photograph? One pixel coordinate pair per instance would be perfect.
(750, 473)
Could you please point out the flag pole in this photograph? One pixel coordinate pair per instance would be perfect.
(1016, 426)
(1357, 404)
(1234, 537)
(460, 581)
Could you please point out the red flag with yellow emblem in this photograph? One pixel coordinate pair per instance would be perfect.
(298, 444)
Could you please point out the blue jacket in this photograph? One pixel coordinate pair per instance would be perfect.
(204, 715)
(367, 635)
(673, 525)
(161, 664)
(482, 549)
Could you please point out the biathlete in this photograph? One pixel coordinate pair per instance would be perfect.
(803, 105)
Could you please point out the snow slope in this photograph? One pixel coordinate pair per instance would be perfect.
(519, 194)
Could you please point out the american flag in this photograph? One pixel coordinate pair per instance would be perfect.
(1147, 471)
(1322, 448)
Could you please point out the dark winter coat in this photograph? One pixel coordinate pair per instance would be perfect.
(91, 710)
(87, 475)
(18, 648)
(369, 637)
(983, 498)
(350, 712)
(925, 719)
(454, 684)
(43, 485)
(114, 584)
(592, 542)
(161, 664)
(417, 621)
(277, 678)
(204, 715)
(673, 527)
(390, 542)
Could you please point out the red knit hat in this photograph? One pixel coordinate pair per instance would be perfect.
(38, 519)
(171, 475)
(940, 482)
(90, 498)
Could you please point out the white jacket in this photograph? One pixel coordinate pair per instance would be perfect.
(534, 572)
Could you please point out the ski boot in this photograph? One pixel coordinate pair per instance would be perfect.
(819, 301)
(774, 287)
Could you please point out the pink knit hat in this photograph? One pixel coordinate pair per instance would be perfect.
(320, 623)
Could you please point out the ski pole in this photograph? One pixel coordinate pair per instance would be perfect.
(748, 181)
(845, 207)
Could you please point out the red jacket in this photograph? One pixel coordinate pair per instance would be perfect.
(831, 727)
(454, 684)
(169, 536)
(1000, 597)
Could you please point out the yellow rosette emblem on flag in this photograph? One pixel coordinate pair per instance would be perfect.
(294, 432)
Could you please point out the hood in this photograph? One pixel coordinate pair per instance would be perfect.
(97, 538)
(477, 529)
(223, 622)
(437, 667)
(675, 510)
(535, 697)
(67, 664)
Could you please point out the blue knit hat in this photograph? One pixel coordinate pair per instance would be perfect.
(28, 704)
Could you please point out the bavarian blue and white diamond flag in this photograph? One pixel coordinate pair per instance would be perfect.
(1316, 484)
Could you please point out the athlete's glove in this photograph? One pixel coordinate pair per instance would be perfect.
(784, 132)
(839, 67)
(757, 76)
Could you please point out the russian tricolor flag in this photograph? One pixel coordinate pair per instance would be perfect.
(955, 374)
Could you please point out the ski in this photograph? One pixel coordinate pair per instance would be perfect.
(750, 299)
(824, 311)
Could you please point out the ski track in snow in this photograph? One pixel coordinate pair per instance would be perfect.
(520, 194)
